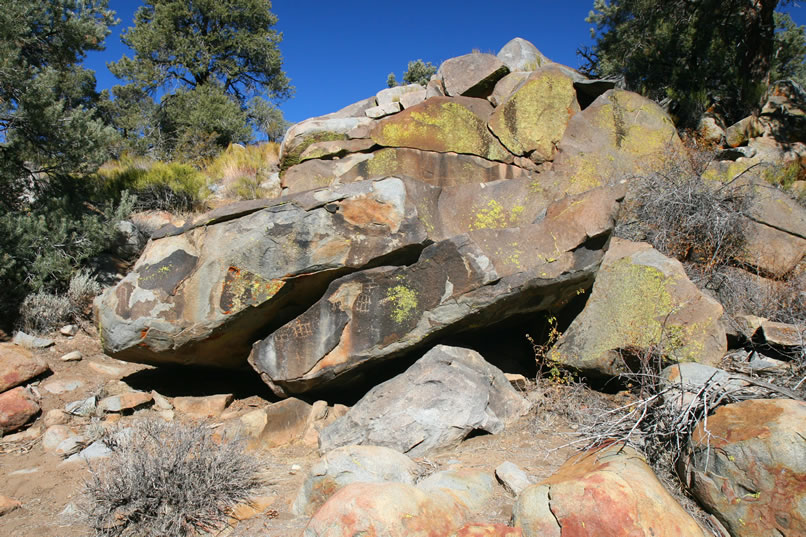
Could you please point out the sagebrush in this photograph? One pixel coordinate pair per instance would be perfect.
(167, 479)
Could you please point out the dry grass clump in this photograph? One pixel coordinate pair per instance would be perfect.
(243, 169)
(167, 479)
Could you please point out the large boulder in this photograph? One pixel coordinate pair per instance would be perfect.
(447, 394)
(18, 365)
(471, 75)
(458, 283)
(351, 464)
(532, 121)
(521, 55)
(202, 294)
(748, 467)
(444, 124)
(620, 135)
(641, 300)
(437, 507)
(608, 491)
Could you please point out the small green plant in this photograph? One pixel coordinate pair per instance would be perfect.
(167, 479)
(546, 367)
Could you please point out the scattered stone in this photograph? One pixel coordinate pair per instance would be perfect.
(607, 491)
(210, 406)
(124, 402)
(438, 401)
(55, 435)
(18, 365)
(73, 356)
(351, 464)
(747, 466)
(26, 435)
(7, 505)
(17, 407)
(471, 75)
(56, 416)
(31, 342)
(512, 478)
(83, 407)
(69, 330)
(640, 299)
(60, 386)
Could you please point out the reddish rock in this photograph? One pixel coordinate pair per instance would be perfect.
(8, 504)
(286, 422)
(125, 401)
(609, 492)
(210, 406)
(488, 530)
(748, 467)
(18, 365)
(17, 407)
(471, 75)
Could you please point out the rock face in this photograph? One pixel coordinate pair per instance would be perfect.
(204, 295)
(610, 491)
(532, 121)
(438, 401)
(351, 464)
(471, 75)
(401, 510)
(444, 124)
(640, 299)
(457, 283)
(315, 130)
(749, 467)
(17, 366)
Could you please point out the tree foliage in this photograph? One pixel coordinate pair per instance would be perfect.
(211, 58)
(48, 124)
(418, 72)
(692, 54)
(789, 52)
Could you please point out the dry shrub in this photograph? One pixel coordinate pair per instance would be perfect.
(242, 169)
(82, 291)
(43, 312)
(685, 217)
(167, 479)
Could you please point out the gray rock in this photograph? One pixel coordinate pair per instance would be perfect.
(31, 342)
(471, 75)
(351, 464)
(512, 478)
(69, 330)
(83, 407)
(438, 401)
(73, 356)
(395, 94)
(96, 450)
(521, 55)
(382, 110)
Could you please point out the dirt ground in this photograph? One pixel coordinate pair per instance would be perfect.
(49, 487)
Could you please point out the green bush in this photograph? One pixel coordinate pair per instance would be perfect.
(158, 185)
(44, 246)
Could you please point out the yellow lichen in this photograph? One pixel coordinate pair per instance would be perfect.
(404, 302)
(494, 216)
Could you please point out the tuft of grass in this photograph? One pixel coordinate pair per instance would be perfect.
(242, 169)
(167, 479)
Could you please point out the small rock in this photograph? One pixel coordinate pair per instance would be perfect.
(107, 369)
(17, 366)
(25, 471)
(160, 401)
(60, 386)
(69, 330)
(55, 435)
(70, 445)
(294, 469)
(96, 450)
(8, 504)
(17, 407)
(383, 110)
(56, 416)
(513, 479)
(31, 342)
(83, 407)
(210, 406)
(31, 433)
(123, 402)
(256, 506)
(517, 381)
(73, 356)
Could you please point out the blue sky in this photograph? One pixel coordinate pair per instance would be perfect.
(337, 53)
